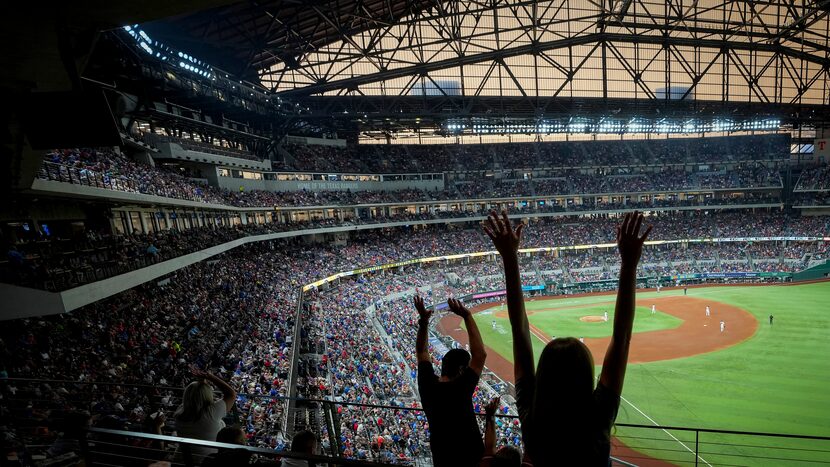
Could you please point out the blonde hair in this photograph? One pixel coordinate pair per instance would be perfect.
(197, 399)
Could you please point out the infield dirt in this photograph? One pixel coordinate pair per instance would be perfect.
(698, 334)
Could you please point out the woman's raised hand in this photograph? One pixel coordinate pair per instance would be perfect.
(505, 238)
(629, 240)
(423, 313)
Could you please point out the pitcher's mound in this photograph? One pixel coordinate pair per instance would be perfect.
(592, 319)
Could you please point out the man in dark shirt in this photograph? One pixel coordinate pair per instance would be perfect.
(455, 439)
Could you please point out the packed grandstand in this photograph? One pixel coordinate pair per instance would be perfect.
(268, 232)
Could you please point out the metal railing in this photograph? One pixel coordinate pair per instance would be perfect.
(380, 433)
(118, 447)
(709, 447)
(91, 178)
(86, 177)
(295, 359)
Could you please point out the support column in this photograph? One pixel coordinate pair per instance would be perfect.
(143, 221)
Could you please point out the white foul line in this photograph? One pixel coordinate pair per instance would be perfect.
(538, 336)
(657, 424)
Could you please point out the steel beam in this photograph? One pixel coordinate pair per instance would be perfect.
(497, 55)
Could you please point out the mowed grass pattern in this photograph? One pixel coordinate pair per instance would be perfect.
(567, 323)
(777, 381)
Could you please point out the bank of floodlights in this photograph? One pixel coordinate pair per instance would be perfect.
(162, 52)
(613, 126)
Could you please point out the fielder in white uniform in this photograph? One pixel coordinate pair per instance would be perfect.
(653, 309)
(707, 310)
(722, 326)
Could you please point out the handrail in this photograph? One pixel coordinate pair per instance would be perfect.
(726, 432)
(408, 408)
(251, 449)
(295, 360)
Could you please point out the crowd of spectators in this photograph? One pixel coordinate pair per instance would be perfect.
(452, 157)
(58, 263)
(811, 198)
(814, 178)
(112, 170)
(368, 340)
(104, 168)
(813, 187)
(234, 316)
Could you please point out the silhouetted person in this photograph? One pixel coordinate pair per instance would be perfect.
(565, 420)
(72, 427)
(770, 320)
(454, 437)
(505, 456)
(230, 435)
(303, 442)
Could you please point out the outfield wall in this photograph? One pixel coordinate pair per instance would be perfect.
(821, 271)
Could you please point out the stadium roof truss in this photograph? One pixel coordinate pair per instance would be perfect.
(758, 52)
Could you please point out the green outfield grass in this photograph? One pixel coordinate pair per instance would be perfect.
(776, 381)
(565, 322)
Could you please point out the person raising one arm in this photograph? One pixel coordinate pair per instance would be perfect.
(505, 456)
(565, 419)
(630, 244)
(421, 350)
(200, 416)
(455, 439)
(490, 427)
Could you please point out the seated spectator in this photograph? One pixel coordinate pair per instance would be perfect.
(152, 251)
(15, 257)
(303, 442)
(230, 435)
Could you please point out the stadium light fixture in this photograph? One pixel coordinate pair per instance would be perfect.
(161, 52)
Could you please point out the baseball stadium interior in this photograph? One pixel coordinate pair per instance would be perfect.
(247, 232)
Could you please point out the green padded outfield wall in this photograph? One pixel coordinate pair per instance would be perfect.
(820, 271)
